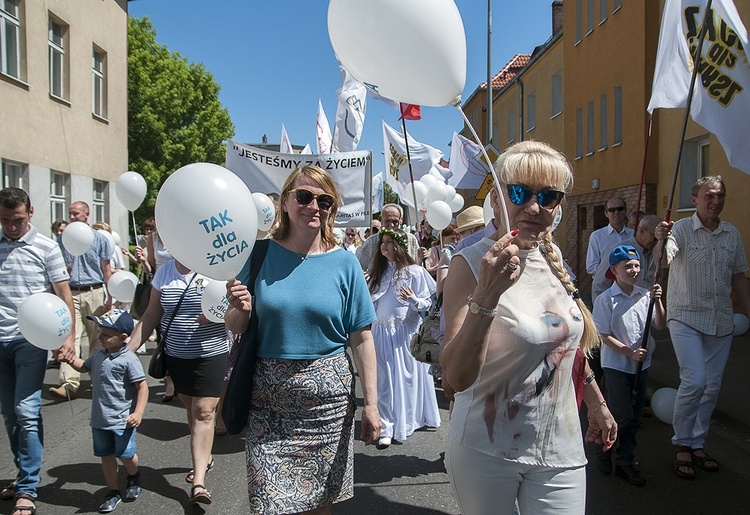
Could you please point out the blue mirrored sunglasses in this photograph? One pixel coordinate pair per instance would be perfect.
(520, 195)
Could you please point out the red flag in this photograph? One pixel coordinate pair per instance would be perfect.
(410, 112)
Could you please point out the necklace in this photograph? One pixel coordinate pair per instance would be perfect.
(304, 257)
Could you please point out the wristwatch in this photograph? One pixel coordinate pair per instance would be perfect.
(476, 309)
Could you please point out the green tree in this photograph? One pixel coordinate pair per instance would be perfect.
(174, 113)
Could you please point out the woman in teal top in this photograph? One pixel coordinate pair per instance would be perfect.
(311, 301)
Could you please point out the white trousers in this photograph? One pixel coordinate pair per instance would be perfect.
(702, 359)
(485, 484)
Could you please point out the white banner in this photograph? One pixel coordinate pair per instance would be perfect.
(323, 132)
(466, 171)
(721, 98)
(350, 113)
(266, 171)
(285, 147)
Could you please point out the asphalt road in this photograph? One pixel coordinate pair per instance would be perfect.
(407, 478)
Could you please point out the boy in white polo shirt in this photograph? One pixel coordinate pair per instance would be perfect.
(620, 315)
(119, 398)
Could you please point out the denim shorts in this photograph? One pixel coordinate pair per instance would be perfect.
(120, 442)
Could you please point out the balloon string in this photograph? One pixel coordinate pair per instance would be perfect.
(135, 229)
(489, 164)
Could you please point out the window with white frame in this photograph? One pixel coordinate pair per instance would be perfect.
(58, 64)
(603, 12)
(15, 175)
(557, 93)
(579, 132)
(590, 126)
(694, 164)
(99, 83)
(590, 16)
(59, 195)
(603, 139)
(511, 126)
(10, 38)
(618, 115)
(101, 201)
(531, 111)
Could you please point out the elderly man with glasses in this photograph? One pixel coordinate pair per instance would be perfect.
(614, 233)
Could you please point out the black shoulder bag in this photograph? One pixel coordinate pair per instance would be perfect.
(238, 397)
(157, 367)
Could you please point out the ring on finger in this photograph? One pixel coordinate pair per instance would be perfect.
(513, 267)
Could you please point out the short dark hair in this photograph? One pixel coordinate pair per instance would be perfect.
(11, 198)
(703, 180)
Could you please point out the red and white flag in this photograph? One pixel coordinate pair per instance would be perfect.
(285, 147)
(410, 112)
(323, 132)
(350, 113)
(721, 99)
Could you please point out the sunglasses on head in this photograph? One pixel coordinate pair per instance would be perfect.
(520, 195)
(304, 197)
(613, 209)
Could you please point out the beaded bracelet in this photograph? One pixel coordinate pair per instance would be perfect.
(603, 403)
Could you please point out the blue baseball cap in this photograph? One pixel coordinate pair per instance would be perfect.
(620, 253)
(116, 319)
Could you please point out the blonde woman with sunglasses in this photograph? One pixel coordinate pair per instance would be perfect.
(513, 321)
(312, 302)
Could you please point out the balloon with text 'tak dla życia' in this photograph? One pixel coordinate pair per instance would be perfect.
(44, 320)
(413, 51)
(207, 219)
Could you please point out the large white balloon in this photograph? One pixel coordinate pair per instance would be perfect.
(662, 404)
(117, 238)
(741, 324)
(44, 320)
(439, 214)
(456, 203)
(435, 192)
(428, 180)
(122, 285)
(77, 238)
(449, 192)
(394, 47)
(265, 209)
(214, 303)
(207, 219)
(420, 190)
(130, 190)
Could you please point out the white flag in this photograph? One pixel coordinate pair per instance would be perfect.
(466, 171)
(323, 132)
(306, 150)
(377, 193)
(423, 157)
(350, 114)
(285, 147)
(721, 99)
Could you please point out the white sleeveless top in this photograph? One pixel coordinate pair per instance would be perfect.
(522, 406)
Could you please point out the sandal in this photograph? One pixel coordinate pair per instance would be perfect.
(202, 496)
(679, 464)
(191, 475)
(220, 431)
(24, 509)
(9, 491)
(705, 462)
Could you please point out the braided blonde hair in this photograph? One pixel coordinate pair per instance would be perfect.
(531, 162)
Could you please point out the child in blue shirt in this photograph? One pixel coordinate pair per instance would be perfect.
(119, 398)
(620, 315)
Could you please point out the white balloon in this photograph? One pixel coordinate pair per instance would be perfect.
(428, 180)
(419, 189)
(117, 238)
(435, 192)
(449, 192)
(214, 303)
(487, 210)
(399, 45)
(439, 214)
(662, 404)
(131, 190)
(741, 324)
(207, 219)
(265, 209)
(457, 203)
(77, 238)
(122, 285)
(44, 320)
(110, 240)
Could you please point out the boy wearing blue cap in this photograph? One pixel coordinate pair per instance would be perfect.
(119, 398)
(620, 315)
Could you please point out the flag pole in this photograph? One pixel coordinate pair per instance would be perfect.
(668, 213)
(643, 174)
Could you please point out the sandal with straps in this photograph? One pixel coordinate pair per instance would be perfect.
(191, 475)
(9, 491)
(202, 496)
(679, 464)
(705, 462)
(24, 509)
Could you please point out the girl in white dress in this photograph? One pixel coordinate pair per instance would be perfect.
(400, 289)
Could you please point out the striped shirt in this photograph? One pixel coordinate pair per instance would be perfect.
(187, 338)
(702, 264)
(28, 265)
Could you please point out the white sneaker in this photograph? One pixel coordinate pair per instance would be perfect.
(383, 442)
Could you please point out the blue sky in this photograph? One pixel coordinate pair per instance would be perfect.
(274, 60)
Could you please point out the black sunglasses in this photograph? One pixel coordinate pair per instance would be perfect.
(613, 209)
(304, 197)
(520, 195)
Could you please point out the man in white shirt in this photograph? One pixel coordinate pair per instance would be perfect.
(391, 217)
(607, 237)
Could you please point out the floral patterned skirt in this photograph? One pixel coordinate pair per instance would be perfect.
(300, 436)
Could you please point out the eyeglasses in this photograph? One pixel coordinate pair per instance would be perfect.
(304, 197)
(613, 209)
(520, 195)
(350, 234)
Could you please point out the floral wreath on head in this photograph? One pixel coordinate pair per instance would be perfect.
(396, 236)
